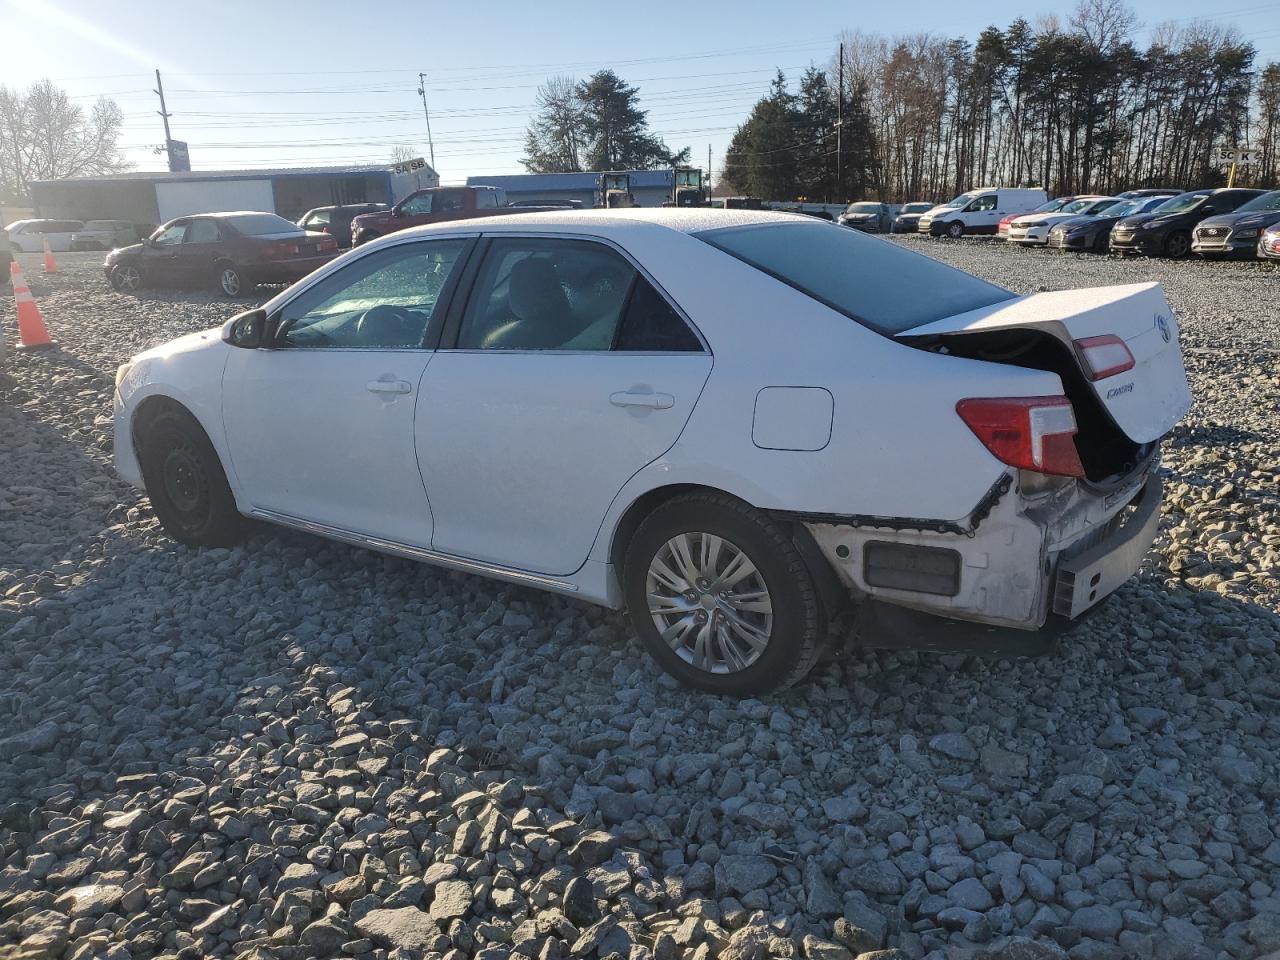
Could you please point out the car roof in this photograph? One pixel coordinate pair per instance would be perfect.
(618, 222)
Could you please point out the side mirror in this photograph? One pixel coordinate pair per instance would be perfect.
(250, 330)
(397, 212)
(148, 242)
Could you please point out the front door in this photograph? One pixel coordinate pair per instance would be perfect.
(160, 262)
(320, 428)
(198, 252)
(568, 373)
(983, 214)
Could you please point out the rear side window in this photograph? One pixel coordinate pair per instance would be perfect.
(202, 231)
(486, 200)
(875, 282)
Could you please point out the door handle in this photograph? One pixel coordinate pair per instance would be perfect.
(654, 401)
(388, 386)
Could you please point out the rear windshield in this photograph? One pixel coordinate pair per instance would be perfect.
(258, 224)
(879, 284)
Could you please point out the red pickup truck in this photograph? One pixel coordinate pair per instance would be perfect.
(436, 205)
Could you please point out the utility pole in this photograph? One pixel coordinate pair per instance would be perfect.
(422, 91)
(840, 198)
(164, 115)
(708, 173)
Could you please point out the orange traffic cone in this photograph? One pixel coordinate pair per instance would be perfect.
(50, 264)
(31, 329)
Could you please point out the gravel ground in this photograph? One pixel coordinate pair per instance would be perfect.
(301, 749)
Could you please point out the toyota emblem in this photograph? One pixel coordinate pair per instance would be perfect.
(1162, 324)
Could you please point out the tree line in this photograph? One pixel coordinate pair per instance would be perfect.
(1075, 107)
(44, 135)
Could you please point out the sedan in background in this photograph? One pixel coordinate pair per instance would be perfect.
(6, 259)
(1032, 230)
(1049, 206)
(868, 216)
(908, 218)
(1236, 234)
(336, 221)
(1094, 233)
(230, 253)
(1269, 244)
(104, 235)
(533, 398)
(1166, 231)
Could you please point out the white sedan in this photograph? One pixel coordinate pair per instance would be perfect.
(1033, 229)
(738, 425)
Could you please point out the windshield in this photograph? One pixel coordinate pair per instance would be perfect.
(260, 224)
(959, 201)
(1127, 207)
(1097, 206)
(1181, 204)
(1268, 201)
(845, 270)
(1076, 206)
(917, 207)
(863, 208)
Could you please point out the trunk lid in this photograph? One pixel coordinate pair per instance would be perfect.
(1144, 401)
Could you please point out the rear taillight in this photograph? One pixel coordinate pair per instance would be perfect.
(1032, 433)
(1104, 356)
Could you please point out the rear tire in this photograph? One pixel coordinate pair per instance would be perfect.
(186, 483)
(955, 230)
(1177, 245)
(727, 631)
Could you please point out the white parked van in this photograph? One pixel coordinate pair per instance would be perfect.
(979, 211)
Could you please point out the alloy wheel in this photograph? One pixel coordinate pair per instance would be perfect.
(709, 602)
(128, 278)
(230, 282)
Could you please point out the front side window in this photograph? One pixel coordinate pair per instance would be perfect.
(547, 294)
(171, 235)
(845, 269)
(381, 301)
(202, 231)
(983, 204)
(416, 205)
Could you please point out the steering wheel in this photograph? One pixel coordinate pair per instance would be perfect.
(388, 326)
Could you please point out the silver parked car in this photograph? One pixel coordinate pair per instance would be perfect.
(104, 235)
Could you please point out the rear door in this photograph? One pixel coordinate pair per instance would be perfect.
(566, 373)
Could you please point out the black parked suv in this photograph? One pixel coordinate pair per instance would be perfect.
(336, 221)
(1166, 231)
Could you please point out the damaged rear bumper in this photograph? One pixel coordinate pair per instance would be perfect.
(1035, 556)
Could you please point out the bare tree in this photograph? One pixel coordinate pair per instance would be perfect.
(555, 136)
(45, 136)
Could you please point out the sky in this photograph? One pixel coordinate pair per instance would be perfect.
(265, 84)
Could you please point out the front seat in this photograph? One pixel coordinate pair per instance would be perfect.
(543, 319)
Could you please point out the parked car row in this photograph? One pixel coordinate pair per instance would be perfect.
(1154, 221)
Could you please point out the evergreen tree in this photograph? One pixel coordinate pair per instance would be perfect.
(616, 131)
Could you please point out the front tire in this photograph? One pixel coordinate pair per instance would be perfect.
(186, 483)
(955, 230)
(126, 278)
(1177, 245)
(721, 597)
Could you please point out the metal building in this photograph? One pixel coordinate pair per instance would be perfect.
(649, 187)
(153, 198)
